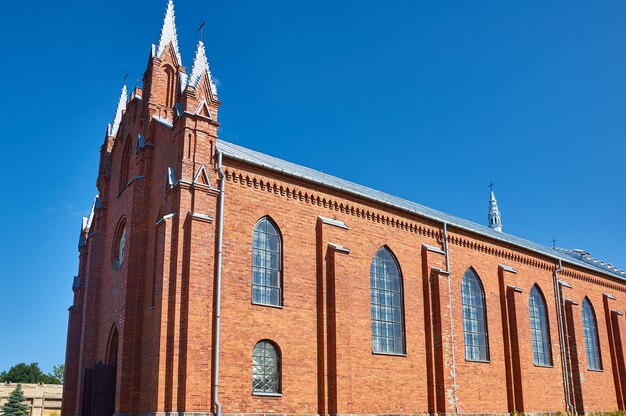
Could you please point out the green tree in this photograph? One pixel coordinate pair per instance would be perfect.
(28, 373)
(15, 405)
(58, 371)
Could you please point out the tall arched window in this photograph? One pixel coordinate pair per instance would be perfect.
(119, 244)
(539, 328)
(265, 368)
(474, 318)
(387, 304)
(267, 264)
(590, 333)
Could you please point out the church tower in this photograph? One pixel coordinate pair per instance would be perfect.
(495, 220)
(140, 293)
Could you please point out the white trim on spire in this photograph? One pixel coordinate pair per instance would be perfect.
(168, 34)
(117, 118)
(199, 67)
(495, 220)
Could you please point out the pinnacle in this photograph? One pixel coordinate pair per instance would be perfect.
(117, 118)
(168, 33)
(199, 67)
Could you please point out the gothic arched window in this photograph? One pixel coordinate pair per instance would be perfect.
(125, 166)
(539, 328)
(387, 304)
(590, 333)
(474, 318)
(267, 264)
(265, 368)
(170, 93)
(119, 244)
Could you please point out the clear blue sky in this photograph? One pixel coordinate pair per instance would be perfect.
(426, 100)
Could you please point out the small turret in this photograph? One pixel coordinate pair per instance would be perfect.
(495, 220)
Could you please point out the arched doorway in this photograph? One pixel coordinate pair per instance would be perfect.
(105, 378)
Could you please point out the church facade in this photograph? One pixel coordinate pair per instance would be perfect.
(214, 279)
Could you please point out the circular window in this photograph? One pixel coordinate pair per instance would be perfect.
(119, 247)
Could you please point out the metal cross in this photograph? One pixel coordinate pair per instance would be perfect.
(554, 243)
(491, 184)
(202, 22)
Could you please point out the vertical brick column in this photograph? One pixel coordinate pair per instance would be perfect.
(90, 322)
(339, 286)
(573, 338)
(161, 309)
(612, 329)
(197, 313)
(328, 235)
(619, 328)
(510, 336)
(439, 347)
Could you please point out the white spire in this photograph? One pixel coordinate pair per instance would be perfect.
(495, 221)
(117, 118)
(168, 34)
(199, 67)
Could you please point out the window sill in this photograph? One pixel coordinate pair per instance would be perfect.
(268, 305)
(262, 394)
(594, 370)
(392, 354)
(544, 366)
(478, 361)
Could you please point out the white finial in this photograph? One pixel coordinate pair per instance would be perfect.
(495, 221)
(117, 118)
(199, 67)
(168, 34)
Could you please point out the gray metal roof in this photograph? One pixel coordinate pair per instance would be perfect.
(252, 157)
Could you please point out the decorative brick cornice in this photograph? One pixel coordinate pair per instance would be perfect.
(604, 282)
(311, 197)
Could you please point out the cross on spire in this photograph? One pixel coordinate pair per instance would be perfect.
(202, 22)
(491, 185)
(554, 240)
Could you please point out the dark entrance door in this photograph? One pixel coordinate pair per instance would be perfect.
(103, 399)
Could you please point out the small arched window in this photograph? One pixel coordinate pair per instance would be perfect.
(590, 333)
(539, 328)
(170, 93)
(119, 244)
(474, 318)
(387, 304)
(265, 368)
(125, 166)
(267, 264)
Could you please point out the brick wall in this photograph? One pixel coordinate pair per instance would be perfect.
(162, 298)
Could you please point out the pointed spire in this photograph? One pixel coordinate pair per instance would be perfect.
(168, 34)
(495, 221)
(199, 67)
(117, 118)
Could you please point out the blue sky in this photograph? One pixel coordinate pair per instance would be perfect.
(426, 100)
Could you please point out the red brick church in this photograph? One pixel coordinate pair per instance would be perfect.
(214, 279)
